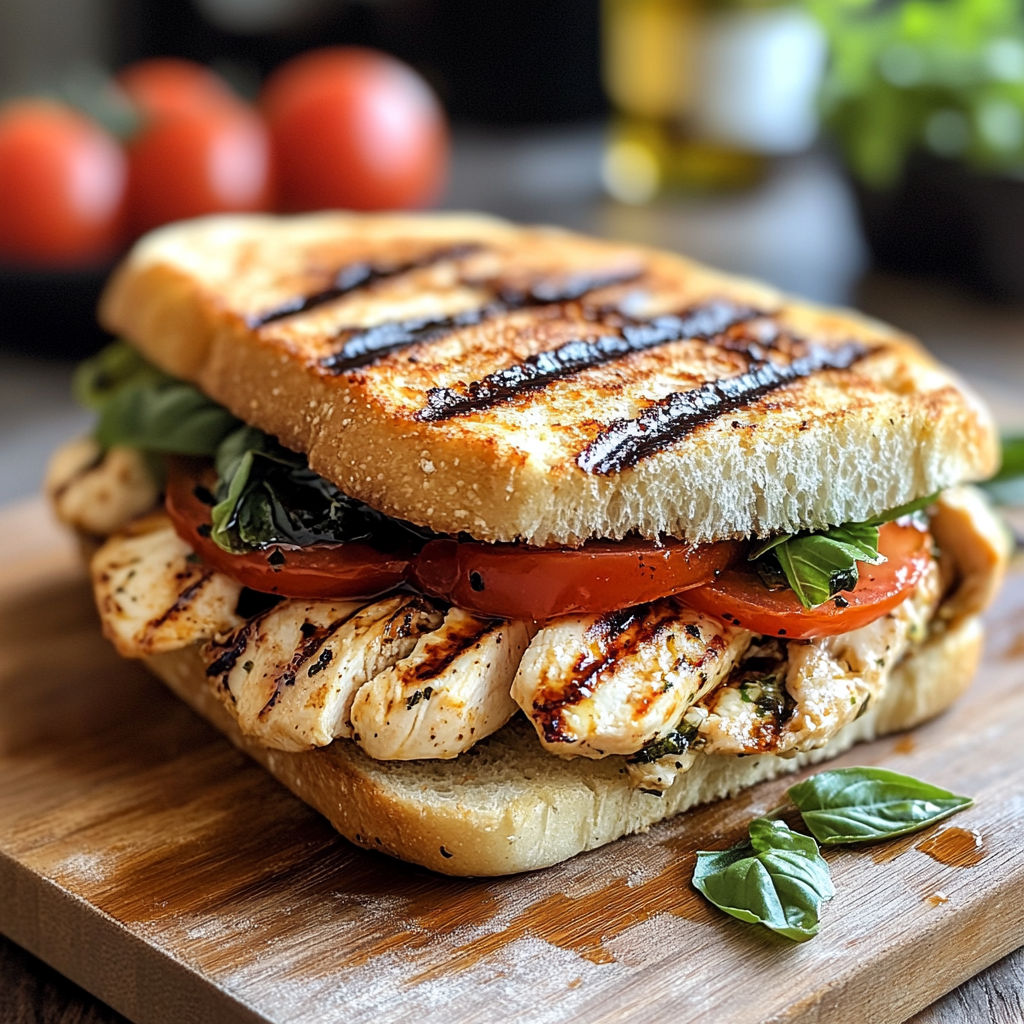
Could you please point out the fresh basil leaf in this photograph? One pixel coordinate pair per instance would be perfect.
(267, 494)
(918, 505)
(773, 542)
(817, 566)
(1013, 459)
(864, 805)
(1007, 486)
(98, 378)
(173, 418)
(778, 879)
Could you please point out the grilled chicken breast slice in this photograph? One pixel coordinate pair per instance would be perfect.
(611, 684)
(96, 492)
(797, 695)
(155, 595)
(451, 691)
(290, 675)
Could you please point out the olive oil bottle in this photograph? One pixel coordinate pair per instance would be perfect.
(705, 92)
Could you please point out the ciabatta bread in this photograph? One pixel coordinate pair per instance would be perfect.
(525, 388)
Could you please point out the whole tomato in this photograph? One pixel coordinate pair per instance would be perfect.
(191, 163)
(355, 128)
(61, 186)
(169, 85)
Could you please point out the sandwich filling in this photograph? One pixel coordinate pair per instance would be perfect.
(321, 619)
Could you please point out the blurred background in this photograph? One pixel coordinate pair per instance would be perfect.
(863, 152)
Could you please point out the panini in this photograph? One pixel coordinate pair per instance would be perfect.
(491, 551)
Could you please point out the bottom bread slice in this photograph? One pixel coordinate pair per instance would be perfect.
(507, 806)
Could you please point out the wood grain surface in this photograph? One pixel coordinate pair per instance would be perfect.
(149, 861)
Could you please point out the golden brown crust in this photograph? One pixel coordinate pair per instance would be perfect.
(508, 806)
(839, 445)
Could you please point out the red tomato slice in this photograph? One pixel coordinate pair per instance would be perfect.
(318, 571)
(512, 581)
(740, 597)
(504, 580)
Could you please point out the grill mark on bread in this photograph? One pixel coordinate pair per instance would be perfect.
(355, 276)
(360, 347)
(625, 442)
(701, 323)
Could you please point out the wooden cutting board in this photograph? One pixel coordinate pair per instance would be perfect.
(145, 858)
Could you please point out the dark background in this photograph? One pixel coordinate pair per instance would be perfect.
(509, 63)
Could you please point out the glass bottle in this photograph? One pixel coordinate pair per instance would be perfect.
(705, 92)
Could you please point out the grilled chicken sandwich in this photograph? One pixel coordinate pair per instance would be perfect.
(497, 543)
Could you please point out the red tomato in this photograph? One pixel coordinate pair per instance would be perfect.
(318, 571)
(61, 186)
(516, 582)
(192, 163)
(504, 580)
(168, 85)
(355, 128)
(739, 596)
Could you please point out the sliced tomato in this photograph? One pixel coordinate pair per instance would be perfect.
(514, 581)
(504, 580)
(738, 595)
(318, 571)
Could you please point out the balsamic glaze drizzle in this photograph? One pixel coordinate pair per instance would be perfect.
(353, 277)
(700, 323)
(624, 442)
(361, 347)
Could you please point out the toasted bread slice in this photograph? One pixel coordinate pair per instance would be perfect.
(527, 383)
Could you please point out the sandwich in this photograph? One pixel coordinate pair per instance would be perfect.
(496, 543)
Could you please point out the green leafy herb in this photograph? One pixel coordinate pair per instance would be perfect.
(1007, 486)
(170, 418)
(678, 741)
(912, 75)
(817, 566)
(777, 879)
(267, 494)
(98, 378)
(142, 407)
(864, 805)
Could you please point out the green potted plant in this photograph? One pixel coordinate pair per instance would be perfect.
(926, 101)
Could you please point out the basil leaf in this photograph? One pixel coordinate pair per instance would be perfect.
(173, 418)
(777, 879)
(817, 566)
(1007, 486)
(1013, 460)
(142, 407)
(267, 494)
(864, 805)
(918, 505)
(99, 377)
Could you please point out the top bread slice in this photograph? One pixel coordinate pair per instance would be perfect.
(525, 389)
